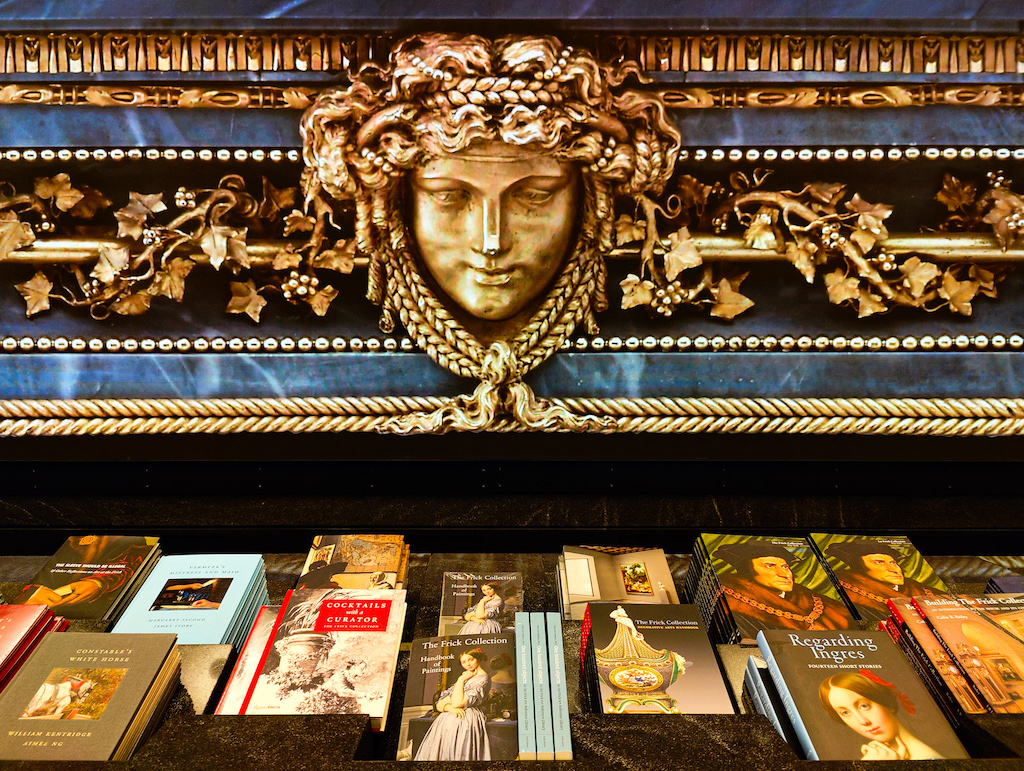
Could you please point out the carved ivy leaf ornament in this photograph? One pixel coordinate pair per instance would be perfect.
(58, 189)
(840, 287)
(91, 202)
(14, 234)
(113, 259)
(682, 255)
(762, 233)
(729, 303)
(956, 195)
(222, 242)
(636, 292)
(320, 301)
(342, 257)
(132, 305)
(245, 298)
(287, 258)
(801, 253)
(170, 282)
(36, 292)
(297, 222)
(958, 293)
(131, 220)
(276, 200)
(627, 230)
(918, 274)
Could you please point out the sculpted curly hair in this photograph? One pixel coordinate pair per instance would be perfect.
(440, 93)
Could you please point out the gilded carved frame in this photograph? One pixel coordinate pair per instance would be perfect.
(685, 242)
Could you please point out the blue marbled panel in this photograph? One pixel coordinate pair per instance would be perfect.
(979, 15)
(568, 375)
(55, 126)
(195, 376)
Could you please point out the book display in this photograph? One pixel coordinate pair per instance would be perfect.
(494, 375)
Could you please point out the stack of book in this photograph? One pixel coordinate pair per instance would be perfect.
(969, 649)
(650, 659)
(870, 570)
(329, 651)
(377, 561)
(479, 602)
(206, 599)
(88, 696)
(1005, 585)
(745, 583)
(852, 695)
(22, 628)
(544, 732)
(607, 573)
(93, 576)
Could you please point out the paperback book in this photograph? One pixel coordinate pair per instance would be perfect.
(332, 651)
(349, 561)
(461, 699)
(22, 627)
(621, 574)
(869, 570)
(854, 696)
(479, 603)
(206, 599)
(87, 696)
(981, 633)
(745, 583)
(248, 662)
(1005, 585)
(652, 659)
(92, 576)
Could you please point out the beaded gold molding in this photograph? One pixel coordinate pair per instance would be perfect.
(241, 51)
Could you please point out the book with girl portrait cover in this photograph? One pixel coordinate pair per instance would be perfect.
(853, 695)
(475, 602)
(461, 699)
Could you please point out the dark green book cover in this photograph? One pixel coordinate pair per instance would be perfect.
(77, 694)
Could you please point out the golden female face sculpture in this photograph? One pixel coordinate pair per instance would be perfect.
(483, 176)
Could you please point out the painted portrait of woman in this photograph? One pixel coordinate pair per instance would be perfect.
(459, 732)
(870, 706)
(482, 617)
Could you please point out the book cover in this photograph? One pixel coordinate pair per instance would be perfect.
(199, 597)
(559, 691)
(854, 696)
(656, 659)
(79, 694)
(775, 583)
(461, 699)
(249, 660)
(624, 574)
(334, 652)
(88, 573)
(979, 633)
(869, 570)
(349, 561)
(479, 603)
(1005, 585)
(19, 624)
(541, 687)
(919, 641)
(524, 688)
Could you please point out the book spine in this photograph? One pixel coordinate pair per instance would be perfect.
(524, 689)
(761, 703)
(953, 657)
(559, 693)
(266, 651)
(787, 698)
(925, 671)
(541, 688)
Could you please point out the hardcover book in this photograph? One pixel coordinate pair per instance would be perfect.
(919, 642)
(746, 583)
(479, 603)
(623, 574)
(349, 561)
(1005, 585)
(248, 663)
(653, 659)
(203, 598)
(982, 633)
(869, 570)
(89, 574)
(22, 627)
(334, 651)
(87, 696)
(461, 699)
(854, 696)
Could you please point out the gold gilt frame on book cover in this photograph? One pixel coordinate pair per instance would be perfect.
(406, 230)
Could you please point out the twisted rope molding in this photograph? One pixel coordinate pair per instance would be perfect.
(932, 417)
